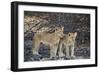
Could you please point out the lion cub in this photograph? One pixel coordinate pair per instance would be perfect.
(69, 42)
(50, 39)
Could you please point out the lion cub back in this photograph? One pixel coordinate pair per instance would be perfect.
(49, 38)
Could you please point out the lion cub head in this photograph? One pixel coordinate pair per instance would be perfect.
(59, 31)
(71, 36)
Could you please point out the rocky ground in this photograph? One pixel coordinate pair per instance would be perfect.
(44, 51)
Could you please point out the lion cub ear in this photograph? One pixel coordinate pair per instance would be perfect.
(62, 27)
(75, 33)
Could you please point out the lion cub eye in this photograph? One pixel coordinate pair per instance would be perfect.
(56, 29)
(69, 34)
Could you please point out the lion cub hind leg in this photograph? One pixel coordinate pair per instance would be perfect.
(36, 48)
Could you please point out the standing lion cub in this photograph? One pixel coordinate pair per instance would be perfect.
(50, 39)
(69, 42)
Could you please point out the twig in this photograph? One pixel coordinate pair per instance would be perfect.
(32, 27)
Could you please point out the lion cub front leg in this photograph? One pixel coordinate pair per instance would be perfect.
(72, 51)
(53, 51)
(60, 52)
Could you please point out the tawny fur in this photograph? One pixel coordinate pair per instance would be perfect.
(51, 39)
(69, 42)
